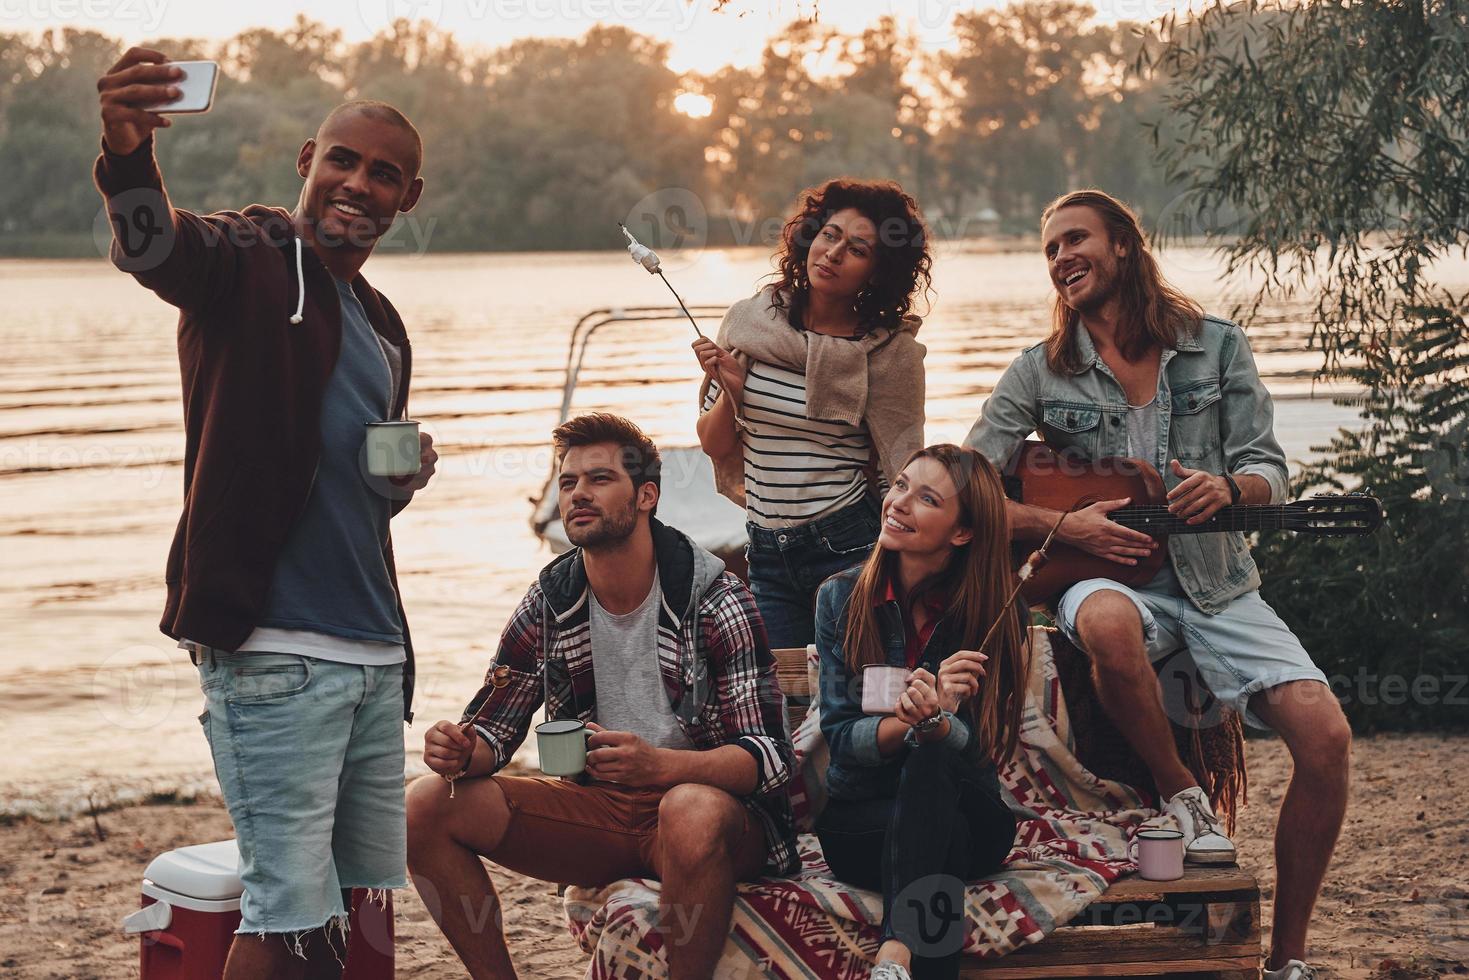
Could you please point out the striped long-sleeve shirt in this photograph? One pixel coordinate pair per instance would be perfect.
(797, 469)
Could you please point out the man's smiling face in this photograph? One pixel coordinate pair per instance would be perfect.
(360, 173)
(1083, 262)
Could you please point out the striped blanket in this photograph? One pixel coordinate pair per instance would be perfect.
(1072, 842)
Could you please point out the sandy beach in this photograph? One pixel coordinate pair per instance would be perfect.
(1395, 907)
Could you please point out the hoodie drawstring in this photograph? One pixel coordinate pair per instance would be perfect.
(300, 285)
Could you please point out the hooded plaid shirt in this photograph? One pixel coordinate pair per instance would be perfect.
(713, 657)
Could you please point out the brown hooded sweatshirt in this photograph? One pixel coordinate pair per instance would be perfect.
(252, 388)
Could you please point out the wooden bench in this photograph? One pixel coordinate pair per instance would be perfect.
(1206, 924)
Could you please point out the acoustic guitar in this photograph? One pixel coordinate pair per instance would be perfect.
(1043, 477)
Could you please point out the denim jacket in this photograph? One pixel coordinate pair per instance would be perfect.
(857, 771)
(1214, 414)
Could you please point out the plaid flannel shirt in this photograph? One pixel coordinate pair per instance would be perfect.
(715, 663)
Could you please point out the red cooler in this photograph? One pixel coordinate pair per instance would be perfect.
(191, 909)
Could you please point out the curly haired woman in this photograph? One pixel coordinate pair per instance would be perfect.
(813, 395)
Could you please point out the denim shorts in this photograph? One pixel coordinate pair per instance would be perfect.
(309, 756)
(1235, 654)
(788, 565)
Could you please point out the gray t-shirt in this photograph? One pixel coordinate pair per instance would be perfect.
(1142, 432)
(630, 696)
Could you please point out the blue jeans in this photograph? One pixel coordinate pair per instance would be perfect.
(788, 565)
(947, 826)
(309, 755)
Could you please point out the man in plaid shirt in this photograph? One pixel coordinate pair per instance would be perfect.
(642, 635)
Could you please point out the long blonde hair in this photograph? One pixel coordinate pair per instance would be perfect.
(1153, 312)
(978, 579)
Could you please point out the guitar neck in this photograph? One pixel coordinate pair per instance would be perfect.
(1156, 519)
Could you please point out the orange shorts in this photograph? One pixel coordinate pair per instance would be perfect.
(572, 834)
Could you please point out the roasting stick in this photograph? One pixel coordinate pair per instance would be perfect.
(1033, 564)
(499, 678)
(648, 259)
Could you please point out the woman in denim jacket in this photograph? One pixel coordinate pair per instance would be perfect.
(814, 392)
(915, 809)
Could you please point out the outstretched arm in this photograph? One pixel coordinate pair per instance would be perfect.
(187, 260)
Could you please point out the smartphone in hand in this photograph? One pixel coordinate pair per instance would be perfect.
(196, 87)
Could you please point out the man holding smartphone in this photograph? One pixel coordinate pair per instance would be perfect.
(280, 579)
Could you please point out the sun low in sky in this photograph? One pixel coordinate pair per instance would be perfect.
(701, 37)
(694, 105)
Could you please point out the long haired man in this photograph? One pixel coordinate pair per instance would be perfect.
(1134, 368)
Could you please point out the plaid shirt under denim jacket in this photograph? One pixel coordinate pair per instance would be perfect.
(715, 661)
(1214, 415)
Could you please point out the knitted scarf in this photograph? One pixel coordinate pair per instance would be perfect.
(876, 379)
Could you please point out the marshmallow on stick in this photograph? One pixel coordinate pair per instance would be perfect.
(648, 259)
(642, 254)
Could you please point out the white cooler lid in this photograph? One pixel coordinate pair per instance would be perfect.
(204, 871)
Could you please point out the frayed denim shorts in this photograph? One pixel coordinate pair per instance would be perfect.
(1243, 650)
(309, 756)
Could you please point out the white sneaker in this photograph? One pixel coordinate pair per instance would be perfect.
(1204, 841)
(888, 970)
(1294, 970)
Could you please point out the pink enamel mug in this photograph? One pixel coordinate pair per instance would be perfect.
(1159, 854)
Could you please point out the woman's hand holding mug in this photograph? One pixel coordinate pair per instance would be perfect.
(921, 700)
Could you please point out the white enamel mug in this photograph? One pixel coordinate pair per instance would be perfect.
(392, 448)
(882, 685)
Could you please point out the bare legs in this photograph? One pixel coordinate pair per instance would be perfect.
(444, 843)
(1311, 722)
(274, 957)
(1304, 713)
(706, 842)
(1111, 632)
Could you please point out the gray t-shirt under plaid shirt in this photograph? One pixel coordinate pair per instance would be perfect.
(796, 469)
(630, 695)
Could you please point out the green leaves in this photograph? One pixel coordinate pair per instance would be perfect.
(1342, 134)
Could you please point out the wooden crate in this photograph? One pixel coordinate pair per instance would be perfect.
(1205, 924)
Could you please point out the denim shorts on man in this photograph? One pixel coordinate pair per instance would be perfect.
(1238, 652)
(309, 756)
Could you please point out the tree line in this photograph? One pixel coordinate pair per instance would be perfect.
(546, 142)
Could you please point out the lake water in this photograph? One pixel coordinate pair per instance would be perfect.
(94, 700)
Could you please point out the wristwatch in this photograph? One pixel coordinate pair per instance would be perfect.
(1234, 490)
(930, 723)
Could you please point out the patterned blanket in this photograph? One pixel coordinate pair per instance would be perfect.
(1072, 842)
